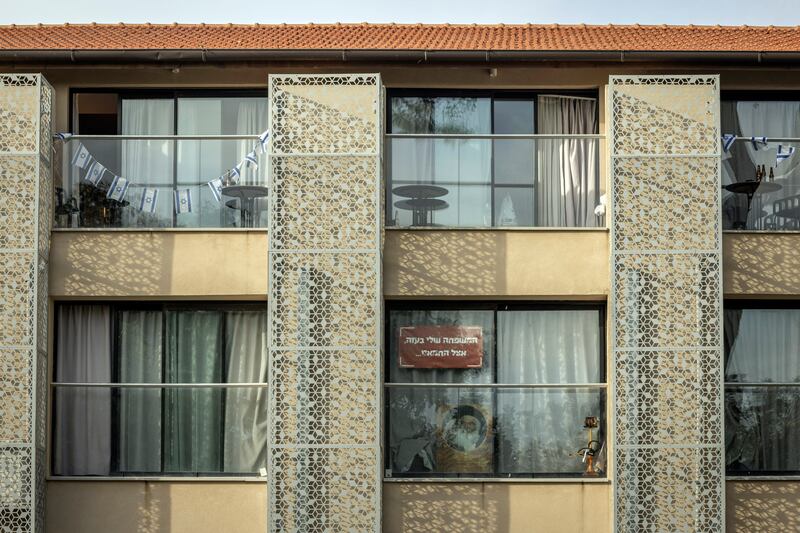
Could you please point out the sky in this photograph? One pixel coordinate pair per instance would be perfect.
(762, 12)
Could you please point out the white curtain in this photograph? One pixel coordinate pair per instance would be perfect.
(541, 429)
(246, 408)
(762, 429)
(140, 361)
(567, 176)
(83, 415)
(772, 119)
(148, 163)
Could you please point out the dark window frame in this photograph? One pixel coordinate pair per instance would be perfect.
(495, 306)
(493, 95)
(744, 304)
(115, 310)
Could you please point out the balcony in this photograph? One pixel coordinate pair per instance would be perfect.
(500, 180)
(167, 179)
(751, 202)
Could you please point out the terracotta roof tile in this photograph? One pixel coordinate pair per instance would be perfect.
(528, 37)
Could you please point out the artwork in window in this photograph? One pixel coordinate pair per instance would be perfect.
(456, 420)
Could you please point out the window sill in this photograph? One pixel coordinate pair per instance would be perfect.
(560, 480)
(763, 478)
(188, 479)
(499, 228)
(159, 230)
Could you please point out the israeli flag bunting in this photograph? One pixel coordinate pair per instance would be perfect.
(756, 141)
(61, 136)
(216, 188)
(149, 200)
(783, 154)
(95, 173)
(81, 158)
(250, 159)
(183, 201)
(262, 141)
(727, 142)
(118, 189)
(237, 171)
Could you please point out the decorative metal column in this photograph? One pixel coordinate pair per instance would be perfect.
(666, 304)
(325, 303)
(25, 218)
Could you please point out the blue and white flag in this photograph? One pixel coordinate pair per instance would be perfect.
(758, 141)
(783, 154)
(262, 141)
(118, 189)
(81, 159)
(61, 136)
(250, 159)
(216, 188)
(95, 173)
(183, 201)
(237, 172)
(149, 200)
(727, 141)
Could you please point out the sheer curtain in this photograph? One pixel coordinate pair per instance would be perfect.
(566, 189)
(83, 415)
(140, 361)
(773, 119)
(193, 417)
(246, 408)
(148, 163)
(762, 429)
(416, 414)
(540, 428)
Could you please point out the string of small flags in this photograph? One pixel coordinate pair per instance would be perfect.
(148, 202)
(783, 153)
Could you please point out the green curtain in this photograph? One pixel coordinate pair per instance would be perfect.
(194, 416)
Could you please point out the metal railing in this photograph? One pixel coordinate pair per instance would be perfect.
(156, 170)
(493, 180)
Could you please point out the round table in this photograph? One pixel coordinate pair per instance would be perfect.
(750, 188)
(422, 201)
(247, 195)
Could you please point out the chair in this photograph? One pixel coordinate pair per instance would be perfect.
(785, 214)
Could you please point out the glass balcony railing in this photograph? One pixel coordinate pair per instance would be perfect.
(493, 180)
(159, 182)
(761, 192)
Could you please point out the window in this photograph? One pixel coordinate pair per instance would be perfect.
(495, 390)
(472, 159)
(159, 389)
(774, 203)
(164, 164)
(762, 388)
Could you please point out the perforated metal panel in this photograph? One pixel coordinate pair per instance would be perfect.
(666, 304)
(25, 219)
(325, 303)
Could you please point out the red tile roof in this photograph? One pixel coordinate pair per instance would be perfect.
(523, 37)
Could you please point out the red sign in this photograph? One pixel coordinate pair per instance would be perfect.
(441, 347)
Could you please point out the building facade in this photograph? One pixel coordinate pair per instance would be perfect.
(399, 278)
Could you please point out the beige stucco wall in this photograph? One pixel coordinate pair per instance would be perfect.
(158, 264)
(212, 507)
(155, 507)
(761, 265)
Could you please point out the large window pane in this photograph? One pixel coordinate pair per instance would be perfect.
(542, 430)
(140, 361)
(492, 427)
(454, 115)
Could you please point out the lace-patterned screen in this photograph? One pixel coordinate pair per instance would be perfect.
(666, 304)
(25, 216)
(324, 303)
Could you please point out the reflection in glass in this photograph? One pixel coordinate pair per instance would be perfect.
(761, 422)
